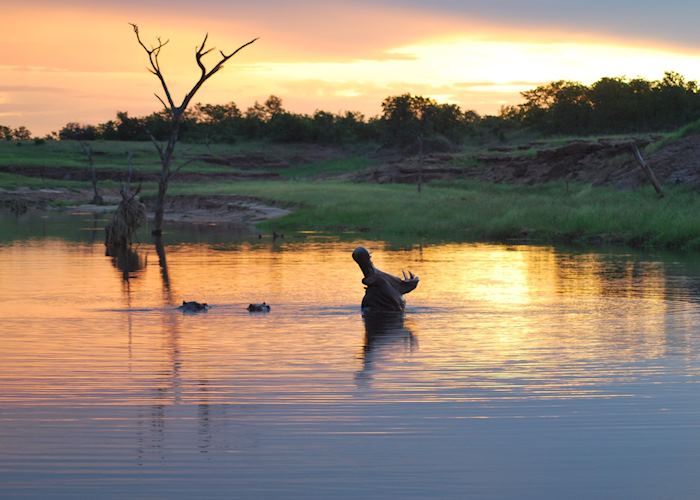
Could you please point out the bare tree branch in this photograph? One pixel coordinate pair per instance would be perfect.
(155, 142)
(177, 113)
(165, 106)
(179, 167)
(153, 54)
(207, 74)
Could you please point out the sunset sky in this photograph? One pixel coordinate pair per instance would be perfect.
(79, 61)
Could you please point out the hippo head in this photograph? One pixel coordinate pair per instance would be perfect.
(364, 260)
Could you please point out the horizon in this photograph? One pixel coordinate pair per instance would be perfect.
(81, 63)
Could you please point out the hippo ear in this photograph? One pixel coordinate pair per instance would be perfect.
(183, 302)
(205, 304)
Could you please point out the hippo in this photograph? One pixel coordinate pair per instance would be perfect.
(383, 292)
(258, 308)
(193, 307)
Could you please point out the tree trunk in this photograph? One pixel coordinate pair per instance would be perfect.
(176, 112)
(160, 206)
(166, 157)
(96, 198)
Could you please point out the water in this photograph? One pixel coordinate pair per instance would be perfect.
(517, 372)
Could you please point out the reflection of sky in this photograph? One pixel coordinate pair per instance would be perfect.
(486, 306)
(549, 368)
(79, 62)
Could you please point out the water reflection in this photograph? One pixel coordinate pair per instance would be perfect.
(385, 333)
(127, 261)
(534, 364)
(163, 264)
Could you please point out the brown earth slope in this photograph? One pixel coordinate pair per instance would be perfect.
(597, 162)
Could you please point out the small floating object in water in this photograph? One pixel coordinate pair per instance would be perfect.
(193, 307)
(259, 308)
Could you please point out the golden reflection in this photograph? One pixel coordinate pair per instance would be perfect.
(494, 322)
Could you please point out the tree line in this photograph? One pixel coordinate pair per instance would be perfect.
(405, 120)
(610, 105)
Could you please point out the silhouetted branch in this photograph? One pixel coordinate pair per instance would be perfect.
(206, 74)
(177, 113)
(153, 54)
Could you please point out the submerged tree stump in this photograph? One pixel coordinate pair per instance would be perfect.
(129, 216)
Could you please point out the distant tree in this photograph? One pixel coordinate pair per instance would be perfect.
(130, 129)
(108, 130)
(21, 134)
(557, 106)
(217, 113)
(289, 127)
(266, 111)
(325, 128)
(77, 132)
(5, 133)
(273, 106)
(217, 122)
(401, 116)
(87, 151)
(408, 119)
(176, 112)
(612, 104)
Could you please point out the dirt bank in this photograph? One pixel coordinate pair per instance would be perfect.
(229, 209)
(196, 209)
(597, 162)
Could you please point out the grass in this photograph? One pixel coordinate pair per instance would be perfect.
(13, 181)
(684, 131)
(467, 210)
(444, 211)
(329, 167)
(113, 155)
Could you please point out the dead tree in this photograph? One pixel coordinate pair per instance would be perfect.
(647, 170)
(176, 112)
(87, 151)
(128, 217)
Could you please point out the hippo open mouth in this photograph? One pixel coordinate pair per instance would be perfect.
(383, 292)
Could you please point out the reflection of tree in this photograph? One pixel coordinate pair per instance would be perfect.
(204, 417)
(163, 263)
(166, 393)
(127, 260)
(95, 229)
(384, 333)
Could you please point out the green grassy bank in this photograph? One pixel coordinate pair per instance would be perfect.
(448, 211)
(466, 210)
(461, 210)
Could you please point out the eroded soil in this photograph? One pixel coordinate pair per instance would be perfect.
(596, 162)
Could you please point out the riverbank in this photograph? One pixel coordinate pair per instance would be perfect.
(471, 210)
(327, 195)
(449, 211)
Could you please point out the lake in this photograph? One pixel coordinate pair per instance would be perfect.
(517, 371)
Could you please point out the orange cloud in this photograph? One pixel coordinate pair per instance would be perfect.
(61, 64)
